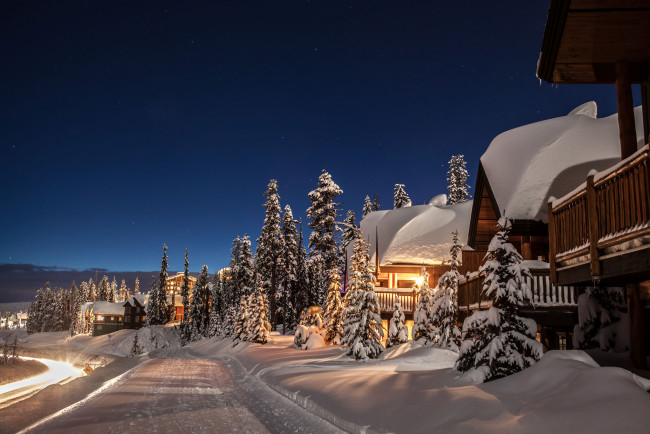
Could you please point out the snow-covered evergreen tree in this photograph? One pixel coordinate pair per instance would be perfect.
(113, 291)
(270, 248)
(397, 331)
(199, 306)
(289, 267)
(240, 332)
(123, 292)
(367, 206)
(350, 230)
(167, 313)
(333, 316)
(362, 317)
(375, 202)
(92, 294)
(257, 324)
(104, 289)
(497, 342)
(322, 241)
(214, 328)
(136, 348)
(446, 333)
(152, 305)
(423, 328)
(400, 198)
(243, 271)
(457, 180)
(136, 289)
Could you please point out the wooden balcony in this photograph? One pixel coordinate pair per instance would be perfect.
(545, 294)
(602, 229)
(408, 300)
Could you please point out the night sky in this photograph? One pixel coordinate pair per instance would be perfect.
(126, 125)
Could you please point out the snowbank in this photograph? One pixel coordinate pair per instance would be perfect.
(526, 165)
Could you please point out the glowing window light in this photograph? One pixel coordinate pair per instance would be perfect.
(100, 317)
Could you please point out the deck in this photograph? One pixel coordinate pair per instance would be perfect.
(602, 229)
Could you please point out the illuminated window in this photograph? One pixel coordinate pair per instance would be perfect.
(100, 318)
(112, 318)
(561, 341)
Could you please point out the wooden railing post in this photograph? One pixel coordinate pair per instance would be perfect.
(551, 242)
(592, 212)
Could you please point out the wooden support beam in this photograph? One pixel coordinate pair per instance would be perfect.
(551, 243)
(636, 323)
(625, 105)
(645, 103)
(592, 217)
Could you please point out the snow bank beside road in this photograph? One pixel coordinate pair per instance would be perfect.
(414, 389)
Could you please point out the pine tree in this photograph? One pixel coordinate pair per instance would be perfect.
(333, 316)
(241, 324)
(257, 324)
(137, 286)
(423, 327)
(104, 289)
(111, 293)
(214, 328)
(185, 289)
(289, 267)
(322, 241)
(350, 229)
(446, 333)
(92, 290)
(199, 307)
(270, 249)
(136, 349)
(497, 342)
(362, 317)
(375, 202)
(165, 313)
(401, 199)
(397, 331)
(123, 292)
(599, 311)
(457, 180)
(367, 206)
(152, 308)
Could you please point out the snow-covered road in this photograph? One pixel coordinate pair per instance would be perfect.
(187, 395)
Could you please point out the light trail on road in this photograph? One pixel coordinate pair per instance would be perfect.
(58, 372)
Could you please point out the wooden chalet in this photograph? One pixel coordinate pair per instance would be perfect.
(404, 240)
(107, 317)
(601, 230)
(134, 311)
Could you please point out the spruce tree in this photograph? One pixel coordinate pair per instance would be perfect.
(423, 327)
(166, 312)
(152, 308)
(136, 290)
(257, 324)
(498, 342)
(92, 287)
(214, 328)
(289, 267)
(362, 328)
(113, 291)
(457, 180)
(104, 289)
(401, 199)
(397, 331)
(136, 349)
(375, 202)
(270, 249)
(322, 241)
(350, 230)
(333, 317)
(185, 289)
(240, 332)
(123, 292)
(199, 308)
(367, 206)
(446, 333)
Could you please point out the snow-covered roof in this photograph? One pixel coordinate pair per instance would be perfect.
(142, 299)
(527, 165)
(108, 308)
(415, 235)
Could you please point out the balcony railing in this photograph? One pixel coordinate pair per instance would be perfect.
(545, 294)
(408, 300)
(612, 207)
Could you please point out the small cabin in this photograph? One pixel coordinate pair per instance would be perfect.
(134, 311)
(107, 317)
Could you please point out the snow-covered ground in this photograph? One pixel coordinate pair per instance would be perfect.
(409, 389)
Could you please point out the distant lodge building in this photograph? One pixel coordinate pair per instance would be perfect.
(174, 284)
(107, 317)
